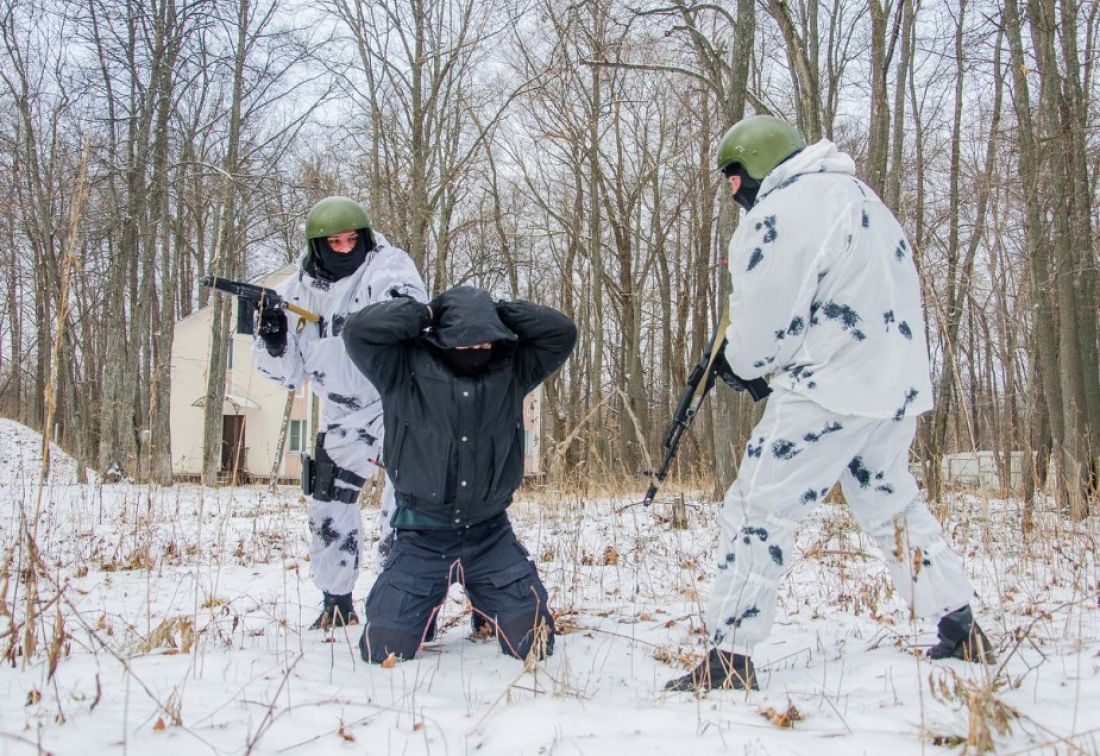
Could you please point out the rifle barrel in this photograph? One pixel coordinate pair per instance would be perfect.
(253, 293)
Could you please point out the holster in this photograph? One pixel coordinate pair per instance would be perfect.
(319, 476)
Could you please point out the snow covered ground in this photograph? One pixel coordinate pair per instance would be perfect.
(180, 622)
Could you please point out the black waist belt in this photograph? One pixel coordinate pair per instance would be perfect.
(319, 477)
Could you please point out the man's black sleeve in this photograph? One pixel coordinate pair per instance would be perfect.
(375, 339)
(546, 337)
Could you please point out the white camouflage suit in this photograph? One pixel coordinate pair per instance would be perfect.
(351, 410)
(826, 297)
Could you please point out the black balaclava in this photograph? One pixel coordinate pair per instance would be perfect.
(467, 361)
(335, 266)
(746, 195)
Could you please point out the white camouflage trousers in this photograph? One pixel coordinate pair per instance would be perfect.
(796, 452)
(336, 527)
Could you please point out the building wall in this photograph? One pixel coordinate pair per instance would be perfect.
(977, 469)
(260, 401)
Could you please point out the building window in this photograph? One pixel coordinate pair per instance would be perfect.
(297, 436)
(229, 355)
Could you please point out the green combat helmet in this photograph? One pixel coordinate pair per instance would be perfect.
(334, 215)
(758, 144)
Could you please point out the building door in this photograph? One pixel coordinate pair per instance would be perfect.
(233, 449)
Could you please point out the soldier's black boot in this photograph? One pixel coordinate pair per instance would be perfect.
(481, 628)
(720, 669)
(961, 638)
(337, 612)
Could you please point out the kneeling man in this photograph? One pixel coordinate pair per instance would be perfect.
(452, 375)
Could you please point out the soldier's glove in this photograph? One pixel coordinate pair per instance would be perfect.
(273, 330)
(723, 370)
(757, 387)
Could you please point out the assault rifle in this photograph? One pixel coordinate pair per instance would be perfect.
(699, 383)
(251, 297)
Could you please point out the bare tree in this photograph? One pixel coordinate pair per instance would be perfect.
(1053, 163)
(563, 152)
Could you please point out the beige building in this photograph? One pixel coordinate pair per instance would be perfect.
(254, 407)
(252, 411)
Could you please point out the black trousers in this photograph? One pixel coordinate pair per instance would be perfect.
(496, 571)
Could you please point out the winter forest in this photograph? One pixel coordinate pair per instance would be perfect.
(561, 152)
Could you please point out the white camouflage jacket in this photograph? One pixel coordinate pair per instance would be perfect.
(826, 294)
(350, 403)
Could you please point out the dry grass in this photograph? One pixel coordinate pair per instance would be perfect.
(609, 569)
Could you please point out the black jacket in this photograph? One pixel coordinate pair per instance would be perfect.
(454, 443)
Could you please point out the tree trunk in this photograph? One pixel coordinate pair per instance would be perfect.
(225, 260)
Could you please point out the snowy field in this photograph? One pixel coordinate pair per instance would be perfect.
(173, 621)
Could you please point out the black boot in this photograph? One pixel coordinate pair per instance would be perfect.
(481, 628)
(338, 611)
(720, 669)
(961, 638)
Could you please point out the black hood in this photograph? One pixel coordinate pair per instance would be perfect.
(466, 316)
